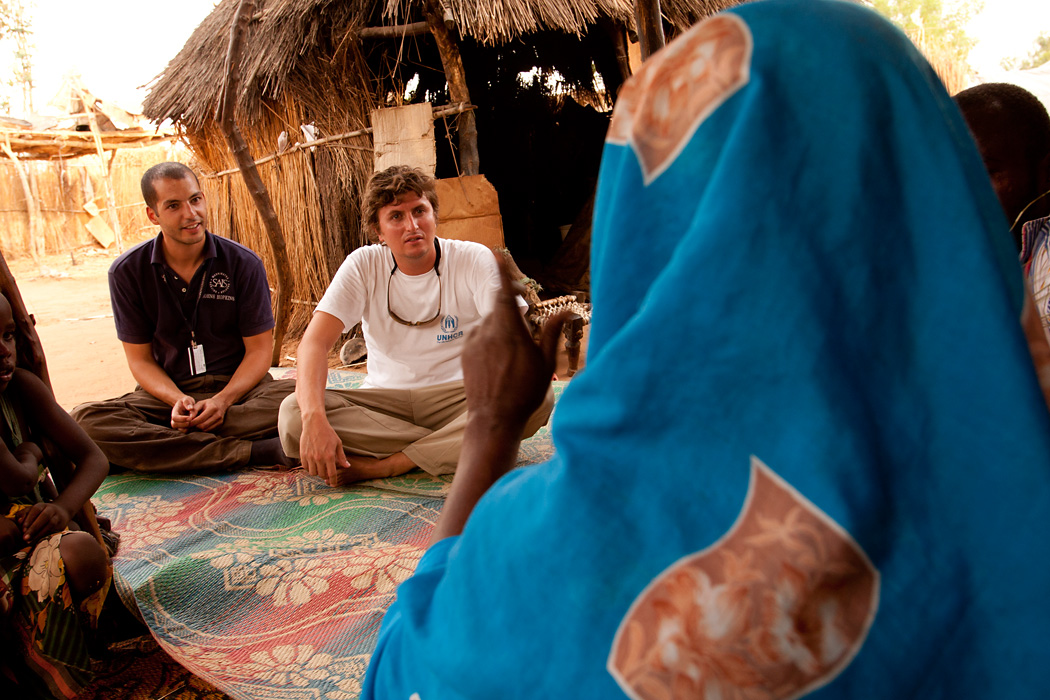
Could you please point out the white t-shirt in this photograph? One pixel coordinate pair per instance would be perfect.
(407, 357)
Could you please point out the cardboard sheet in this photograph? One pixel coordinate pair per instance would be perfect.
(468, 210)
(404, 136)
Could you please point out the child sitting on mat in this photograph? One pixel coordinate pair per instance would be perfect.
(53, 577)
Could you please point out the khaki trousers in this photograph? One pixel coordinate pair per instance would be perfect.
(426, 424)
(134, 431)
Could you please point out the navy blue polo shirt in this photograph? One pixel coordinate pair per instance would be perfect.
(234, 302)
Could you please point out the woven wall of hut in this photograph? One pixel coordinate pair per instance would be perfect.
(62, 187)
(315, 192)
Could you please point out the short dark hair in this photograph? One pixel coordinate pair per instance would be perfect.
(163, 171)
(387, 185)
(1010, 108)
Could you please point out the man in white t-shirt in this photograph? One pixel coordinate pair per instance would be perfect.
(416, 298)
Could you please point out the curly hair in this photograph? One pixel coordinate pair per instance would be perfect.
(387, 185)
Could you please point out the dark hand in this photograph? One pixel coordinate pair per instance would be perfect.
(10, 537)
(41, 520)
(28, 450)
(505, 373)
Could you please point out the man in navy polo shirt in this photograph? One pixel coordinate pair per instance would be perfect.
(192, 310)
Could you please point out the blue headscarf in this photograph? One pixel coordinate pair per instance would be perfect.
(808, 452)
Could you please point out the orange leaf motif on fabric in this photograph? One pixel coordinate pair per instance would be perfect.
(776, 608)
(658, 111)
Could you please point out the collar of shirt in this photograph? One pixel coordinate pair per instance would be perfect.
(1029, 233)
(157, 257)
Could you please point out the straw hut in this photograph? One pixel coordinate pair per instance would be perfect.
(71, 179)
(536, 78)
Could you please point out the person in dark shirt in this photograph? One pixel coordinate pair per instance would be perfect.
(192, 310)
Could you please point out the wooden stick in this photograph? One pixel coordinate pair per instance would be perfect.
(438, 113)
(394, 32)
(650, 26)
(226, 116)
(111, 201)
(31, 204)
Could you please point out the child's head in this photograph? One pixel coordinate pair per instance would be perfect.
(8, 352)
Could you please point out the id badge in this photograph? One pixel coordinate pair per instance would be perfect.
(197, 363)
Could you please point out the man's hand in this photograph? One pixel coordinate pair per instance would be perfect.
(320, 449)
(506, 374)
(182, 413)
(41, 520)
(209, 413)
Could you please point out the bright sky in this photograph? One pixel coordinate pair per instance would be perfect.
(1006, 28)
(115, 45)
(119, 45)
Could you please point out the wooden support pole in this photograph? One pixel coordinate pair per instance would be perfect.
(617, 32)
(226, 116)
(111, 201)
(413, 29)
(650, 26)
(452, 62)
(447, 110)
(36, 246)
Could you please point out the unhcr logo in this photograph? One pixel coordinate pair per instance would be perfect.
(450, 329)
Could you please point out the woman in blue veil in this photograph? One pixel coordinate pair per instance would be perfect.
(809, 452)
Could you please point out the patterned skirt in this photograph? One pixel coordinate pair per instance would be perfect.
(46, 630)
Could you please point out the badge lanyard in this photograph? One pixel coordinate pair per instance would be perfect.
(195, 351)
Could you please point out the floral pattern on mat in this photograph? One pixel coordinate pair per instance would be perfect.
(773, 610)
(272, 584)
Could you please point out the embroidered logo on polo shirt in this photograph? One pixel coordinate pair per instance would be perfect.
(450, 329)
(219, 284)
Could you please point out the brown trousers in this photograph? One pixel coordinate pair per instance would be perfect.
(426, 424)
(134, 431)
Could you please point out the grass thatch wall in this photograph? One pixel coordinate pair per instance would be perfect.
(316, 194)
(62, 188)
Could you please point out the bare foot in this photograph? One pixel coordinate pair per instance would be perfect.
(363, 468)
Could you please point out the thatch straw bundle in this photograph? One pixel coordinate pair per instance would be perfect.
(953, 72)
(498, 21)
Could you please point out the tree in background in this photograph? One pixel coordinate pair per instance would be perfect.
(930, 22)
(16, 26)
(1039, 55)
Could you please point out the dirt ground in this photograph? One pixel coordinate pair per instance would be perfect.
(68, 295)
(73, 318)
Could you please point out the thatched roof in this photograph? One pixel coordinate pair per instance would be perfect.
(284, 31)
(498, 21)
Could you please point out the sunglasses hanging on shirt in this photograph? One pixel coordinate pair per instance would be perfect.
(403, 322)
